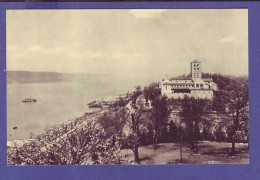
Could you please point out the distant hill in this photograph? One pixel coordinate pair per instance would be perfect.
(42, 77)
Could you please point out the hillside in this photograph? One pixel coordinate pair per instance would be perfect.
(43, 77)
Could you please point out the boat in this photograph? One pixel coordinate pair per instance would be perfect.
(95, 104)
(91, 103)
(29, 100)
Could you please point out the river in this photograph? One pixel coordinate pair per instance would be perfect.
(57, 102)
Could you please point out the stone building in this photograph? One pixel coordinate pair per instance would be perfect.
(194, 86)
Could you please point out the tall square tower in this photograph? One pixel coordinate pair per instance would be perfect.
(196, 70)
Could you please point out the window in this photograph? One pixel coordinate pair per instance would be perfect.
(197, 85)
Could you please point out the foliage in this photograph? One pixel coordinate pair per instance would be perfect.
(237, 107)
(113, 121)
(191, 115)
(120, 103)
(133, 138)
(173, 132)
(219, 134)
(221, 80)
(218, 102)
(152, 91)
(68, 144)
(236, 110)
(160, 114)
(136, 93)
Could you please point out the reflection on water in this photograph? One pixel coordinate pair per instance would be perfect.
(57, 102)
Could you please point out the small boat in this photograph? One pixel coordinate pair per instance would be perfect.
(15, 127)
(95, 104)
(91, 103)
(29, 100)
(98, 105)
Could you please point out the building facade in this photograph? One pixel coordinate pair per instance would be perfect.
(195, 86)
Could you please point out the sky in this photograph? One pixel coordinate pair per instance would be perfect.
(128, 43)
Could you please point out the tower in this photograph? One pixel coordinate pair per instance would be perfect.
(196, 70)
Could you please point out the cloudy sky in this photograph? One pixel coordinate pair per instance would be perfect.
(135, 43)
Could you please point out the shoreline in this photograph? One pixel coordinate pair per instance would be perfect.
(88, 115)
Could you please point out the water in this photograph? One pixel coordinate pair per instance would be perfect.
(57, 102)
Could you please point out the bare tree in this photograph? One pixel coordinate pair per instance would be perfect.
(137, 123)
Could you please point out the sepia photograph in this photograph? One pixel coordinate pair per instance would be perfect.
(127, 86)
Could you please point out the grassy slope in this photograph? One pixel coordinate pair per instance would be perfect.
(209, 153)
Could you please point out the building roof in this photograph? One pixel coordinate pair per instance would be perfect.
(181, 78)
(207, 79)
(202, 89)
(188, 83)
(196, 61)
(188, 79)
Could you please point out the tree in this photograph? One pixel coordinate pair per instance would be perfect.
(137, 124)
(180, 136)
(236, 106)
(152, 91)
(219, 133)
(218, 102)
(121, 102)
(68, 144)
(221, 80)
(173, 132)
(133, 139)
(191, 112)
(186, 117)
(219, 108)
(137, 92)
(160, 113)
(113, 121)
